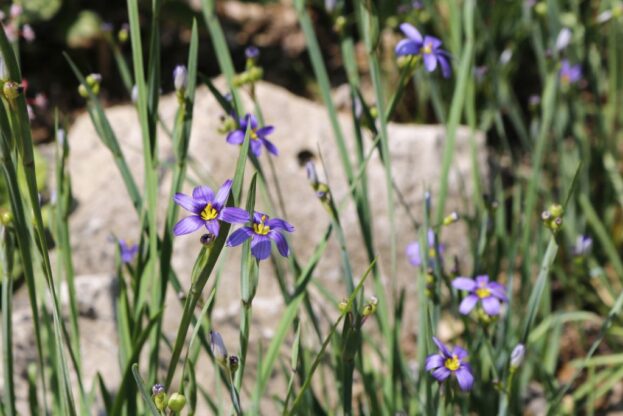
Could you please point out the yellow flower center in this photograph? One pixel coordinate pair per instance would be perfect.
(260, 228)
(208, 213)
(483, 292)
(565, 79)
(428, 48)
(431, 252)
(453, 363)
(253, 134)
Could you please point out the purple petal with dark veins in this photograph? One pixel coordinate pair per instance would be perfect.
(223, 193)
(213, 227)
(257, 216)
(187, 203)
(188, 225)
(468, 304)
(282, 243)
(203, 194)
(279, 224)
(260, 247)
(239, 236)
(233, 215)
(446, 69)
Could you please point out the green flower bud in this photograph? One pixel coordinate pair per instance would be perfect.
(370, 307)
(340, 24)
(12, 90)
(82, 90)
(5, 216)
(255, 74)
(123, 34)
(159, 396)
(343, 306)
(556, 210)
(540, 8)
(177, 402)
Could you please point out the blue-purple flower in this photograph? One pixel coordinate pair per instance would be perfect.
(207, 209)
(257, 135)
(446, 363)
(583, 245)
(428, 47)
(127, 251)
(262, 230)
(414, 255)
(570, 74)
(489, 294)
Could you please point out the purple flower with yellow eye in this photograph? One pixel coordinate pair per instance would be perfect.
(489, 294)
(257, 135)
(446, 363)
(127, 251)
(207, 209)
(428, 47)
(262, 230)
(414, 255)
(570, 74)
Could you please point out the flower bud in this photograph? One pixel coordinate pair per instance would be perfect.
(218, 348)
(343, 306)
(12, 90)
(124, 34)
(556, 210)
(517, 356)
(370, 307)
(28, 33)
(159, 396)
(134, 94)
(252, 53)
(233, 363)
(180, 78)
(208, 239)
(5, 216)
(451, 219)
(255, 74)
(177, 402)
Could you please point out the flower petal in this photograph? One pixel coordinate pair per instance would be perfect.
(413, 253)
(233, 215)
(498, 290)
(468, 304)
(188, 225)
(465, 378)
(430, 61)
(464, 283)
(491, 305)
(441, 373)
(203, 194)
(256, 147)
(482, 280)
(265, 131)
(282, 243)
(442, 348)
(260, 247)
(250, 118)
(257, 216)
(434, 361)
(223, 193)
(270, 146)
(239, 236)
(187, 203)
(279, 224)
(407, 47)
(434, 42)
(444, 62)
(411, 32)
(459, 352)
(235, 137)
(213, 227)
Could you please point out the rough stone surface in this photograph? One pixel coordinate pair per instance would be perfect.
(301, 125)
